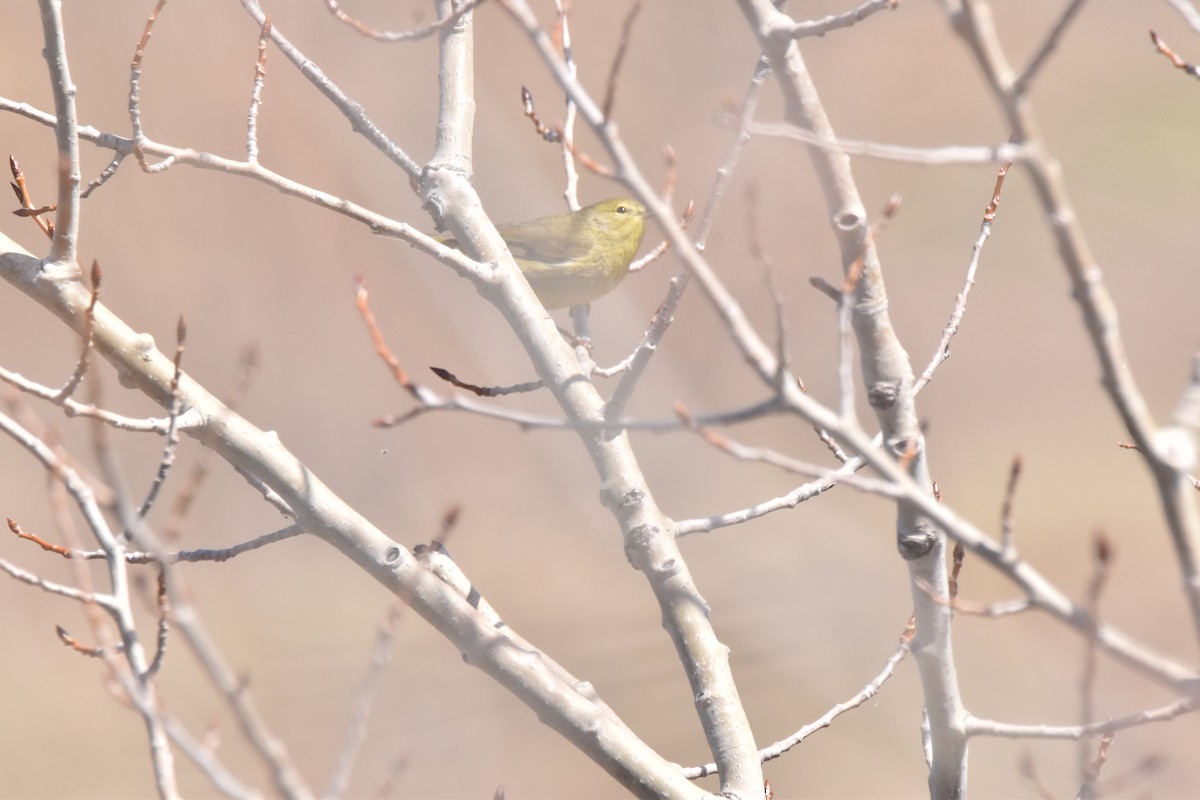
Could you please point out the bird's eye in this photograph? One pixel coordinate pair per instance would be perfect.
(622, 210)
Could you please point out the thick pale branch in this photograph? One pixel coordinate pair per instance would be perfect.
(64, 245)
(649, 542)
(261, 455)
(1168, 462)
(888, 377)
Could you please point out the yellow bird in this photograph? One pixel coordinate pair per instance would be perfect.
(574, 258)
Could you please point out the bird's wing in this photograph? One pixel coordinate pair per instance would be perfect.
(536, 242)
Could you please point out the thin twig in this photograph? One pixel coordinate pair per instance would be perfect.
(135, 102)
(103, 177)
(1049, 44)
(79, 647)
(1102, 552)
(639, 360)
(164, 627)
(287, 778)
(169, 448)
(963, 155)
(1161, 46)
(958, 558)
(1008, 730)
(32, 579)
(668, 193)
(610, 93)
(863, 695)
(1089, 291)
(89, 320)
(942, 351)
(486, 391)
(186, 556)
(825, 479)
(820, 27)
(1087, 788)
(547, 133)
(571, 190)
(140, 692)
(27, 209)
(411, 35)
(360, 122)
(364, 702)
(73, 408)
(1006, 510)
(260, 76)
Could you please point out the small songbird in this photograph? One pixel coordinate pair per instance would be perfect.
(574, 258)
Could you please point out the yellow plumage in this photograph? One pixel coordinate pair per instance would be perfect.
(574, 258)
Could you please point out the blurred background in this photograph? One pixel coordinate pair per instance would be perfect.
(810, 601)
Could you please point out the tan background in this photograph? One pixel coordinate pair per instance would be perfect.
(811, 601)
